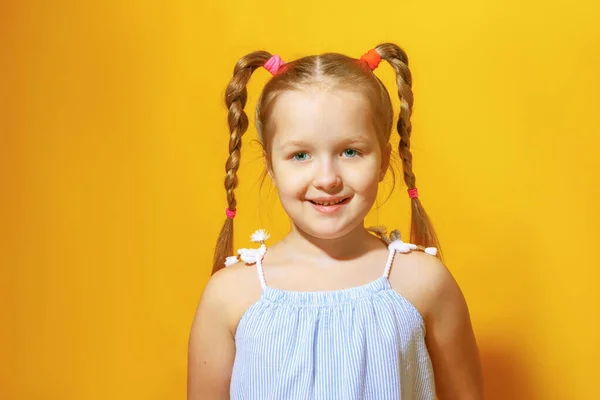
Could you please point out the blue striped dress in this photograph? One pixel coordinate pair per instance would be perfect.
(365, 342)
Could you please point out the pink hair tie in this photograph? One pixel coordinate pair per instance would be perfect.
(230, 213)
(273, 64)
(413, 193)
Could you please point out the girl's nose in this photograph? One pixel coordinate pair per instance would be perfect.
(327, 176)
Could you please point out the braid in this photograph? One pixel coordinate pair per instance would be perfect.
(236, 96)
(421, 228)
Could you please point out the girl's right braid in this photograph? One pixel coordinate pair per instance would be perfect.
(421, 232)
(236, 96)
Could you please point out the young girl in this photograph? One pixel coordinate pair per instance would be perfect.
(334, 310)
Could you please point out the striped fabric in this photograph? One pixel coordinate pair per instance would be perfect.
(365, 342)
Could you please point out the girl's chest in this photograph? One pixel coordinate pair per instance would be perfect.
(383, 326)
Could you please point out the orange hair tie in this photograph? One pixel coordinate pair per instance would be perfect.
(372, 58)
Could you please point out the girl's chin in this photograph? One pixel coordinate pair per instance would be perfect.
(329, 231)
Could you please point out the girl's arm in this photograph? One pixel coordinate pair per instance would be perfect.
(211, 348)
(450, 339)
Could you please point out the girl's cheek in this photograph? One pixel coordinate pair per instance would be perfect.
(291, 179)
(295, 172)
(363, 172)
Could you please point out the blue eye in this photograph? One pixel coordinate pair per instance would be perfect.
(350, 153)
(301, 156)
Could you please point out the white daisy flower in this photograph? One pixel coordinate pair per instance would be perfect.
(259, 236)
(229, 261)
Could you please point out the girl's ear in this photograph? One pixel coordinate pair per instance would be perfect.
(268, 167)
(385, 160)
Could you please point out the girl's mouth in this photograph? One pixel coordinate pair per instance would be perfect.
(319, 203)
(329, 207)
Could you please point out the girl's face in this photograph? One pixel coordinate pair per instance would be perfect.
(325, 160)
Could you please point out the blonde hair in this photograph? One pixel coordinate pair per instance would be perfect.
(331, 71)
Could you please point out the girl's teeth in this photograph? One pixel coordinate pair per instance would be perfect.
(328, 204)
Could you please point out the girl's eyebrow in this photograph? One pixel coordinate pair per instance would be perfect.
(294, 143)
(359, 140)
(354, 140)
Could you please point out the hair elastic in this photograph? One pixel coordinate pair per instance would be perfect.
(230, 213)
(273, 64)
(372, 58)
(413, 193)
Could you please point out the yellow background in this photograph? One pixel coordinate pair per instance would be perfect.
(113, 144)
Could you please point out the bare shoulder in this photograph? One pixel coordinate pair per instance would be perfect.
(211, 347)
(232, 290)
(424, 280)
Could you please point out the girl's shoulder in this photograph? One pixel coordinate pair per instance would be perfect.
(422, 279)
(233, 290)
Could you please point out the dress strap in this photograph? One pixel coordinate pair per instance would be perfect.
(390, 261)
(256, 255)
(261, 273)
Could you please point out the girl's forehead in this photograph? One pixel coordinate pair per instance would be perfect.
(322, 115)
(316, 99)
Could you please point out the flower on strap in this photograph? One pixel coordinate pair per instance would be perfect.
(431, 250)
(259, 236)
(229, 261)
(251, 256)
(402, 247)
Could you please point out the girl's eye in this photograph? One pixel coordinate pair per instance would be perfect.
(301, 156)
(350, 153)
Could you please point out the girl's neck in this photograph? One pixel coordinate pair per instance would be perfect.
(348, 247)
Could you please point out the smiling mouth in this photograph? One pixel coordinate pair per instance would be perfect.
(343, 201)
